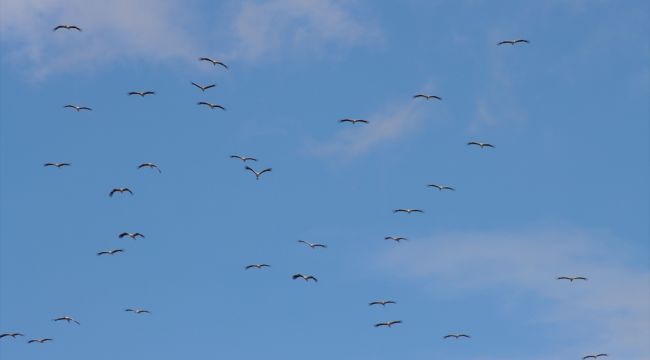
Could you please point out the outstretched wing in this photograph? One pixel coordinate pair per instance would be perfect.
(473, 143)
(506, 42)
(521, 41)
(346, 120)
(265, 170)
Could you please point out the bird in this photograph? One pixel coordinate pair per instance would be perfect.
(408, 211)
(150, 166)
(593, 356)
(305, 277)
(243, 158)
(257, 174)
(68, 319)
(456, 336)
(78, 108)
(311, 245)
(257, 266)
(382, 302)
(13, 335)
(214, 62)
(354, 121)
(202, 87)
(131, 235)
(138, 311)
(427, 97)
(67, 27)
(142, 93)
(388, 323)
(441, 187)
(210, 105)
(395, 238)
(58, 165)
(513, 42)
(571, 278)
(110, 252)
(482, 145)
(120, 190)
(40, 341)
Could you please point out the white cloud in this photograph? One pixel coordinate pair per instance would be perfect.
(613, 306)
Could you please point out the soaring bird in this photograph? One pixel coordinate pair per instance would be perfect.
(257, 266)
(120, 190)
(571, 278)
(395, 238)
(150, 166)
(131, 235)
(456, 336)
(593, 356)
(68, 319)
(243, 158)
(142, 93)
(389, 323)
(110, 252)
(513, 42)
(354, 121)
(257, 174)
(312, 245)
(138, 311)
(78, 108)
(56, 164)
(210, 105)
(67, 27)
(304, 277)
(204, 87)
(441, 187)
(482, 145)
(40, 341)
(382, 302)
(427, 97)
(13, 335)
(408, 211)
(214, 62)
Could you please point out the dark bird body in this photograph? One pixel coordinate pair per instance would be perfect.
(382, 302)
(142, 93)
(58, 165)
(427, 97)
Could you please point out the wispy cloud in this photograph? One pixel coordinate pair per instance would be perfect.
(613, 306)
(275, 27)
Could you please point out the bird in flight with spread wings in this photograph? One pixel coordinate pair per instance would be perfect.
(211, 105)
(138, 311)
(58, 165)
(441, 187)
(67, 27)
(395, 238)
(257, 266)
(40, 341)
(203, 87)
(257, 174)
(68, 319)
(408, 211)
(243, 158)
(382, 302)
(456, 336)
(133, 236)
(78, 108)
(427, 97)
(571, 278)
(354, 121)
(388, 323)
(482, 145)
(110, 252)
(142, 93)
(150, 166)
(304, 277)
(514, 42)
(13, 335)
(312, 245)
(594, 356)
(214, 62)
(120, 190)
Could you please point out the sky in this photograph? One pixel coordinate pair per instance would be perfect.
(564, 191)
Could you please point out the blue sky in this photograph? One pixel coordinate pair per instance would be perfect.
(565, 191)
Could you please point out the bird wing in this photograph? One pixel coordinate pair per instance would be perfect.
(463, 335)
(209, 86)
(58, 27)
(505, 42)
(521, 41)
(204, 103)
(117, 251)
(435, 186)
(249, 266)
(205, 59)
(85, 108)
(487, 145)
(363, 121)
(436, 97)
(473, 143)
(265, 170)
(448, 188)
(222, 64)
(311, 277)
(197, 85)
(563, 278)
(123, 235)
(70, 106)
(127, 190)
(399, 210)
(420, 96)
(251, 169)
(149, 93)
(346, 120)
(374, 303)
(219, 106)
(381, 324)
(417, 210)
(297, 276)
(579, 278)
(395, 322)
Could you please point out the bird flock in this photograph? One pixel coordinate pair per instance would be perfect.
(258, 175)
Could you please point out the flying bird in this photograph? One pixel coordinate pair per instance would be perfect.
(243, 158)
(210, 105)
(138, 311)
(382, 302)
(441, 187)
(110, 252)
(427, 97)
(13, 335)
(354, 121)
(257, 174)
(513, 42)
(312, 245)
(131, 235)
(257, 266)
(142, 93)
(395, 238)
(482, 145)
(389, 323)
(214, 62)
(408, 211)
(150, 166)
(120, 190)
(67, 27)
(593, 356)
(58, 165)
(40, 341)
(304, 277)
(456, 336)
(204, 87)
(571, 278)
(78, 108)
(68, 319)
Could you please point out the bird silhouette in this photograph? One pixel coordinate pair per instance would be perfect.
(138, 311)
(214, 62)
(78, 108)
(312, 245)
(354, 121)
(58, 165)
(110, 252)
(571, 278)
(482, 145)
(408, 211)
(388, 323)
(441, 187)
(133, 236)
(594, 356)
(257, 174)
(382, 302)
(40, 341)
(120, 190)
(513, 42)
(243, 158)
(456, 336)
(211, 106)
(257, 266)
(150, 166)
(304, 277)
(13, 335)
(203, 87)
(395, 238)
(67, 27)
(142, 93)
(67, 319)
(427, 97)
